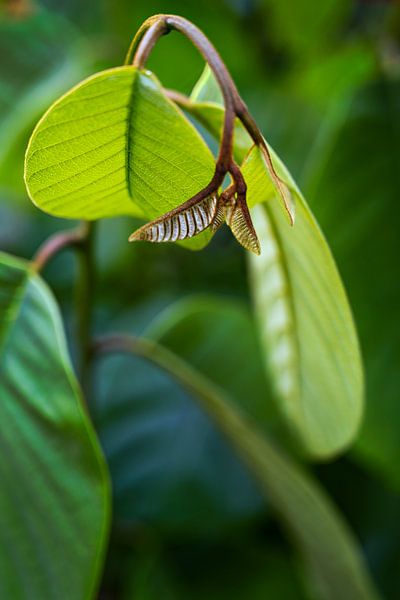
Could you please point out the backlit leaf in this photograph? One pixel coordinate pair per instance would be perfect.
(116, 145)
(354, 192)
(44, 57)
(305, 321)
(307, 329)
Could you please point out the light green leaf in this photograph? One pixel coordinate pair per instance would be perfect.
(54, 500)
(331, 556)
(206, 106)
(116, 145)
(306, 323)
(307, 328)
(207, 89)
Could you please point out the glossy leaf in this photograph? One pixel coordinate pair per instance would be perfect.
(54, 500)
(116, 145)
(331, 556)
(169, 465)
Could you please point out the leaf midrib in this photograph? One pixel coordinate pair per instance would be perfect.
(128, 133)
(289, 295)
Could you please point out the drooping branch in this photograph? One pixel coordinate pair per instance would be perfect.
(146, 38)
(143, 43)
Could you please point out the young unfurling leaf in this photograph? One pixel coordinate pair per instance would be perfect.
(238, 218)
(190, 219)
(182, 223)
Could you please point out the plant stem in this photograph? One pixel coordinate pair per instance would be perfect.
(84, 303)
(169, 362)
(142, 45)
(56, 243)
(80, 238)
(329, 550)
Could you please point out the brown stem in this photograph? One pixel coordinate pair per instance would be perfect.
(249, 123)
(56, 243)
(81, 239)
(143, 43)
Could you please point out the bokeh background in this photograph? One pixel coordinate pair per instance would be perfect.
(322, 79)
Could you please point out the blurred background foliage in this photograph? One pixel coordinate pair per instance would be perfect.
(323, 81)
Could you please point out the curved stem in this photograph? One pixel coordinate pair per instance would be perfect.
(146, 38)
(80, 238)
(143, 43)
(166, 360)
(55, 244)
(251, 127)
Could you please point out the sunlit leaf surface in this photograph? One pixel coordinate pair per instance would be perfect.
(116, 145)
(42, 56)
(305, 322)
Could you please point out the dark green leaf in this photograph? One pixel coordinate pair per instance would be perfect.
(169, 465)
(54, 499)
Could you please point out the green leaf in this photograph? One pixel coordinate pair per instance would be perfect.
(169, 465)
(358, 178)
(210, 113)
(333, 562)
(55, 492)
(207, 89)
(305, 321)
(202, 328)
(307, 328)
(116, 145)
